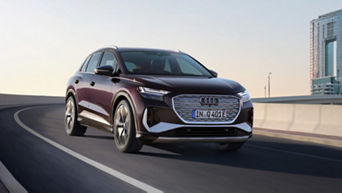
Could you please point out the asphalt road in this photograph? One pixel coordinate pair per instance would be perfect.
(264, 164)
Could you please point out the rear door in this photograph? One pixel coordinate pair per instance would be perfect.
(79, 84)
(86, 85)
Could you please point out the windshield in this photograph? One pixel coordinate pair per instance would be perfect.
(162, 63)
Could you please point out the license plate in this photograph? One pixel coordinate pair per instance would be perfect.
(209, 114)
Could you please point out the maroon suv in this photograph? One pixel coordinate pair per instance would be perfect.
(151, 95)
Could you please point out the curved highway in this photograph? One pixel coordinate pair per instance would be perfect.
(91, 163)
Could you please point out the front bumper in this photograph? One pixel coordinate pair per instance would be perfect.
(158, 122)
(165, 126)
(165, 132)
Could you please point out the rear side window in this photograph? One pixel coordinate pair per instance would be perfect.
(84, 65)
(94, 61)
(109, 59)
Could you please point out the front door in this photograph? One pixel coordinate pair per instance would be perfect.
(103, 90)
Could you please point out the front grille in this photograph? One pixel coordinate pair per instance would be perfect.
(184, 105)
(204, 132)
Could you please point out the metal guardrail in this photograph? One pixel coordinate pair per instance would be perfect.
(305, 99)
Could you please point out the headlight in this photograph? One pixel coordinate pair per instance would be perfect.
(244, 96)
(151, 93)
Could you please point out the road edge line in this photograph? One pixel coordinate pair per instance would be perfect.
(123, 177)
(9, 181)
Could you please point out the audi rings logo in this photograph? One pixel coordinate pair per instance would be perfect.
(209, 101)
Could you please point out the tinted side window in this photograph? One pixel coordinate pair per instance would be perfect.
(93, 62)
(84, 65)
(108, 59)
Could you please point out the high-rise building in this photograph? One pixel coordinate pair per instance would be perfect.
(326, 54)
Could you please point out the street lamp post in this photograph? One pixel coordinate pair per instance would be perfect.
(269, 84)
(265, 91)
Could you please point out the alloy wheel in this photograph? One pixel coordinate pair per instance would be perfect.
(69, 114)
(122, 124)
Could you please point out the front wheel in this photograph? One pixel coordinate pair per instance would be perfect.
(72, 126)
(124, 129)
(230, 146)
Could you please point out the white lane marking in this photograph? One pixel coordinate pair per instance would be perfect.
(104, 168)
(295, 153)
(11, 184)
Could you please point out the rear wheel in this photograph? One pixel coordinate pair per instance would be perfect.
(72, 126)
(124, 129)
(230, 146)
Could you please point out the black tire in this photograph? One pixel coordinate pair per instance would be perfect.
(72, 126)
(124, 129)
(230, 146)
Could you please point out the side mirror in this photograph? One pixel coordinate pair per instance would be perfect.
(213, 73)
(117, 72)
(104, 70)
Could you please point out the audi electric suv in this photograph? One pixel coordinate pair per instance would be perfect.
(152, 96)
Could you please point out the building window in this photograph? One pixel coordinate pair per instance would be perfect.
(330, 58)
(330, 29)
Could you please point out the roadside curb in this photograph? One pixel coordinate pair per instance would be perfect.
(297, 136)
(8, 180)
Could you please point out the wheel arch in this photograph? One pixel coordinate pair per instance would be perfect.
(69, 93)
(72, 93)
(124, 96)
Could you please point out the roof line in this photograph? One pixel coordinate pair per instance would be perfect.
(330, 13)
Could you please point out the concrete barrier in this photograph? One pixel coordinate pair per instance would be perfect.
(10, 99)
(305, 118)
(330, 120)
(315, 119)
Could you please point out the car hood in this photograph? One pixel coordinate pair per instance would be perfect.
(190, 84)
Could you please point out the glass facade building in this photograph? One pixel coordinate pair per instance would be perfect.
(326, 54)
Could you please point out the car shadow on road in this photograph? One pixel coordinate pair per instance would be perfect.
(295, 158)
(99, 137)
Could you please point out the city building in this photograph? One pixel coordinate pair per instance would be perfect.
(326, 54)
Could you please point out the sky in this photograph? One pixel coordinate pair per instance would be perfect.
(43, 43)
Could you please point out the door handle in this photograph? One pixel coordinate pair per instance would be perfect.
(92, 83)
(77, 81)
